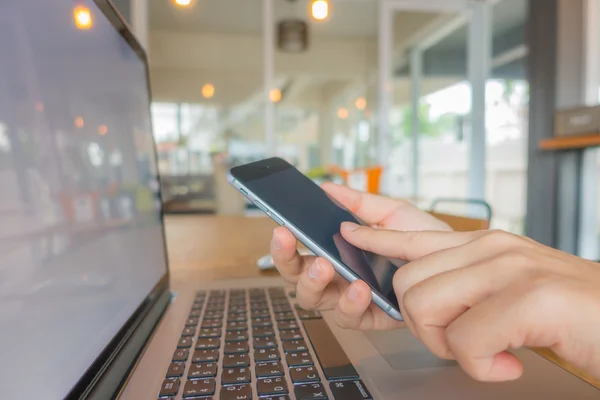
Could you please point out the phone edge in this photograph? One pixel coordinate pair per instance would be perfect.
(341, 269)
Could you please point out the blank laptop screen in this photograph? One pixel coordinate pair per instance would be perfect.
(81, 239)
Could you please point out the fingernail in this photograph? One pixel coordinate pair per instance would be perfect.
(350, 226)
(353, 292)
(315, 270)
(275, 244)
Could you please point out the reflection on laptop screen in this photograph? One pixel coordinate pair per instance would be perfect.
(81, 242)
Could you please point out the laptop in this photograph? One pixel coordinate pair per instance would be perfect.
(86, 311)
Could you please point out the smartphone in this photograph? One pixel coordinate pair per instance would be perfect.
(293, 200)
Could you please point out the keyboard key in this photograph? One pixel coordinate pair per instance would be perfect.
(259, 313)
(302, 359)
(185, 342)
(309, 315)
(202, 356)
(263, 331)
(189, 331)
(215, 306)
(284, 316)
(170, 387)
(267, 342)
(236, 336)
(237, 392)
(202, 371)
(237, 293)
(195, 313)
(259, 306)
(282, 397)
(208, 343)
(176, 370)
(261, 322)
(280, 302)
(264, 355)
(291, 334)
(335, 363)
(236, 360)
(212, 323)
(283, 325)
(350, 390)
(197, 388)
(237, 326)
(198, 305)
(310, 391)
(304, 375)
(235, 376)
(293, 346)
(237, 301)
(268, 369)
(282, 308)
(271, 386)
(209, 333)
(181, 355)
(237, 318)
(192, 322)
(217, 293)
(213, 315)
(236, 310)
(236, 347)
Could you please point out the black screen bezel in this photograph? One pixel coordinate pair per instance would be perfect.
(93, 374)
(270, 166)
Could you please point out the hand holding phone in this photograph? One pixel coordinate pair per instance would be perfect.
(294, 201)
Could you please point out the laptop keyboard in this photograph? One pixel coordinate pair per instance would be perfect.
(250, 344)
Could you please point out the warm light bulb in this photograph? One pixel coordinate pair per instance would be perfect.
(83, 17)
(361, 103)
(275, 95)
(39, 106)
(182, 3)
(79, 123)
(342, 113)
(320, 9)
(102, 130)
(208, 91)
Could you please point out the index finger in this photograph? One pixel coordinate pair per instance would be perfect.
(383, 211)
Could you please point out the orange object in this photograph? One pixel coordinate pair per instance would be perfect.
(365, 179)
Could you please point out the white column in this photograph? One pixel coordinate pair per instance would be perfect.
(479, 61)
(386, 18)
(140, 22)
(326, 127)
(416, 75)
(269, 70)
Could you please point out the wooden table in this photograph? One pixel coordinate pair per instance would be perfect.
(209, 248)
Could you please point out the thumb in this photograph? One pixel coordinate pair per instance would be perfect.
(407, 246)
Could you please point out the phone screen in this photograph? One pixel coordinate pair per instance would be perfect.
(304, 204)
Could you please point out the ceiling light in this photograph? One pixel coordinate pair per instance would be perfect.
(275, 95)
(39, 106)
(361, 103)
(79, 123)
(83, 17)
(102, 130)
(208, 91)
(320, 9)
(342, 113)
(182, 3)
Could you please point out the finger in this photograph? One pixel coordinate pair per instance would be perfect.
(437, 301)
(383, 211)
(353, 305)
(407, 246)
(314, 291)
(285, 255)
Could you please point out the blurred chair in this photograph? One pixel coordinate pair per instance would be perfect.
(464, 223)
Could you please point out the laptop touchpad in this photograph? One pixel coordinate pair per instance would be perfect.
(403, 352)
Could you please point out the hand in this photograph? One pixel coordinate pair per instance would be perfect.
(473, 296)
(319, 287)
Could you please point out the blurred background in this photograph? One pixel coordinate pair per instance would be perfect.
(422, 100)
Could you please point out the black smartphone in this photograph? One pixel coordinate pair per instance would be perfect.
(293, 200)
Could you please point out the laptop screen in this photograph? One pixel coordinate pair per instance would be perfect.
(81, 238)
